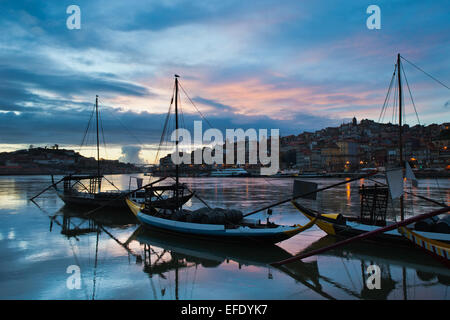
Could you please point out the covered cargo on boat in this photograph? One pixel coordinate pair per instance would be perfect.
(209, 216)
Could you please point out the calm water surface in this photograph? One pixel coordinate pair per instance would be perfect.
(120, 260)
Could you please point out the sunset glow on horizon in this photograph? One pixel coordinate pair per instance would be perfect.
(296, 66)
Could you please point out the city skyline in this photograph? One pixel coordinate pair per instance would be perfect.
(294, 66)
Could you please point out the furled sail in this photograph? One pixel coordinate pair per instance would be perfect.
(395, 181)
(409, 174)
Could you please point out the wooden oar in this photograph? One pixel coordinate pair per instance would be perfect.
(364, 235)
(138, 256)
(415, 195)
(310, 193)
(51, 186)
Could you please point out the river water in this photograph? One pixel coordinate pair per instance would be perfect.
(117, 259)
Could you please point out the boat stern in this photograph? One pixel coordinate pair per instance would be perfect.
(325, 222)
(134, 207)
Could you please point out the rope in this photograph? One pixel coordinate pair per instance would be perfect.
(425, 72)
(394, 106)
(87, 129)
(386, 100)
(410, 94)
(103, 134)
(111, 183)
(203, 117)
(182, 123)
(415, 110)
(165, 125)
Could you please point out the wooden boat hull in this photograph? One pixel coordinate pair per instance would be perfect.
(109, 200)
(215, 231)
(334, 224)
(92, 201)
(439, 250)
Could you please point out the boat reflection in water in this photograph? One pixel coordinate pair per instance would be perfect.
(179, 253)
(103, 218)
(387, 258)
(76, 223)
(338, 274)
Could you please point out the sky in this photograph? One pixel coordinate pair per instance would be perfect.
(289, 65)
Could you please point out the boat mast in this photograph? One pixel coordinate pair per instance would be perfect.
(176, 142)
(176, 280)
(402, 213)
(98, 145)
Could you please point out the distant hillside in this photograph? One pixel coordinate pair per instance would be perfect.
(57, 161)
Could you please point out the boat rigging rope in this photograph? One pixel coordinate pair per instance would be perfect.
(425, 72)
(386, 100)
(103, 135)
(182, 123)
(412, 100)
(111, 183)
(394, 106)
(87, 129)
(165, 125)
(203, 117)
(410, 95)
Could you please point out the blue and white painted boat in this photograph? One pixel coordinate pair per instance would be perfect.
(246, 230)
(229, 172)
(338, 225)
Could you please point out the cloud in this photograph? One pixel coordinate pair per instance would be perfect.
(63, 126)
(260, 64)
(216, 106)
(131, 154)
(70, 84)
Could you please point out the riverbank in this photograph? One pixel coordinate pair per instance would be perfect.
(425, 175)
(42, 173)
(419, 175)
